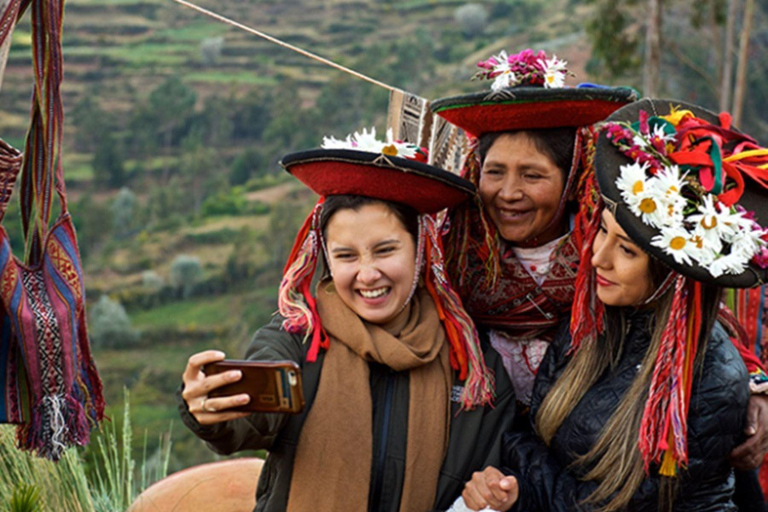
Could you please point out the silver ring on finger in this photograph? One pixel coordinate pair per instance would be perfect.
(205, 407)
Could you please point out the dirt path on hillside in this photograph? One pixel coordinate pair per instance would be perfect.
(273, 194)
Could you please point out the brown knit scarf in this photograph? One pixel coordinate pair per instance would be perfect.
(332, 470)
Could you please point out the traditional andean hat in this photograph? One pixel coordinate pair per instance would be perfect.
(392, 171)
(689, 189)
(528, 93)
(692, 191)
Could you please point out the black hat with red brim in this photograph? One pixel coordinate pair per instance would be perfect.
(609, 160)
(530, 108)
(425, 188)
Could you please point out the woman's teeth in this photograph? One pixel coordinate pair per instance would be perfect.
(372, 294)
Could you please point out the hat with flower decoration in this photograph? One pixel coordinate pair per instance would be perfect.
(693, 192)
(389, 170)
(392, 171)
(528, 92)
(689, 188)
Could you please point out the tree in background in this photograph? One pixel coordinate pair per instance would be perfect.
(108, 168)
(200, 169)
(249, 164)
(124, 212)
(110, 326)
(152, 281)
(91, 122)
(210, 50)
(472, 18)
(94, 224)
(164, 117)
(696, 56)
(285, 218)
(186, 272)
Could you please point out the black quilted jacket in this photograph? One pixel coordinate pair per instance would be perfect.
(716, 418)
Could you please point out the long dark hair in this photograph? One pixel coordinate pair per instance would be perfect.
(615, 461)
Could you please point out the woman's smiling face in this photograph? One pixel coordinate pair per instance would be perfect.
(622, 269)
(372, 258)
(521, 188)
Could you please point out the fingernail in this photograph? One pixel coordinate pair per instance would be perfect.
(219, 353)
(235, 375)
(244, 399)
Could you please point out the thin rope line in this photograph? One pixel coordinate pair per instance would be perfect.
(285, 45)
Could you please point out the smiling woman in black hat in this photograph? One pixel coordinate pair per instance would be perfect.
(400, 414)
(638, 405)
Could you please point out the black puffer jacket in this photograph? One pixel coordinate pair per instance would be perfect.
(716, 418)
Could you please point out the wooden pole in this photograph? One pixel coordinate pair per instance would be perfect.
(6, 45)
(741, 71)
(652, 49)
(727, 78)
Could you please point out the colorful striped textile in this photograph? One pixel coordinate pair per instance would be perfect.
(42, 298)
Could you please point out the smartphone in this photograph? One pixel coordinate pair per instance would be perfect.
(274, 386)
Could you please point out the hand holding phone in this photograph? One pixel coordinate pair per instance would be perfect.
(273, 386)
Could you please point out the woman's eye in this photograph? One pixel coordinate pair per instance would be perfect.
(533, 176)
(627, 250)
(344, 256)
(385, 250)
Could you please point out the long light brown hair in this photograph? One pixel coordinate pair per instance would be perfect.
(615, 462)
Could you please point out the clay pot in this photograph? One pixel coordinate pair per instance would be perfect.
(225, 486)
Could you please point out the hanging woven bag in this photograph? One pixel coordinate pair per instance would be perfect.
(43, 302)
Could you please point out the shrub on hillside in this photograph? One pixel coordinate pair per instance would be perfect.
(186, 272)
(110, 326)
(225, 202)
(123, 212)
(151, 280)
(210, 50)
(472, 18)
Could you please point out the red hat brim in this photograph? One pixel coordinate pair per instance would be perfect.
(530, 108)
(423, 187)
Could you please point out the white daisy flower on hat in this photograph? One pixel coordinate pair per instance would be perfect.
(733, 222)
(704, 252)
(633, 185)
(397, 148)
(334, 143)
(367, 141)
(713, 222)
(747, 243)
(503, 76)
(733, 263)
(666, 187)
(554, 72)
(675, 241)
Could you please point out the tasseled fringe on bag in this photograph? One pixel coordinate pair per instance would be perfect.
(466, 354)
(57, 422)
